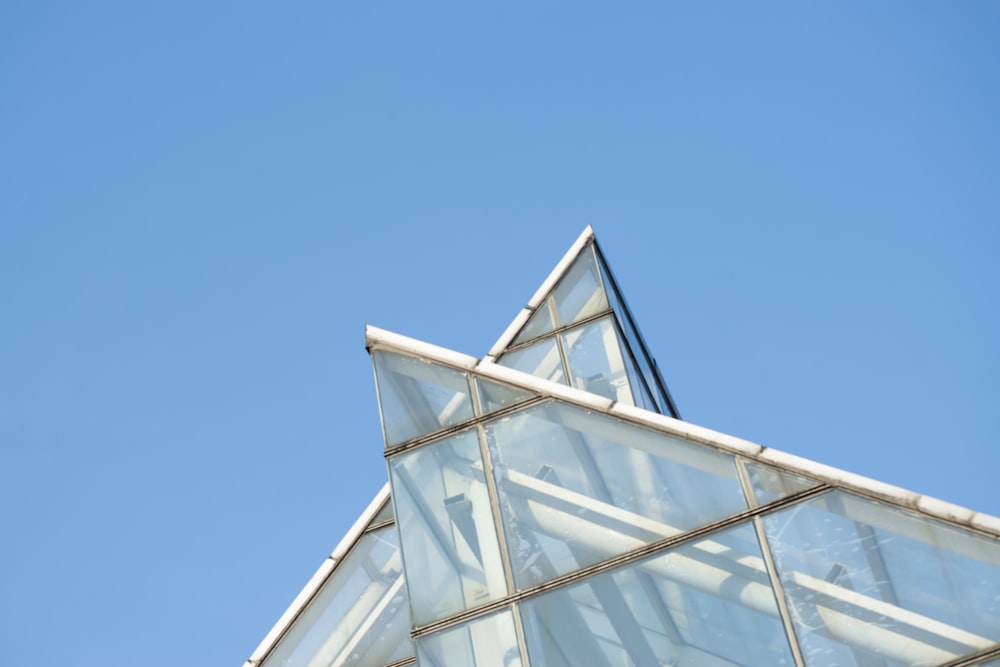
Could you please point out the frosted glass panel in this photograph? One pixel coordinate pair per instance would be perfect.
(485, 642)
(418, 397)
(580, 293)
(450, 549)
(359, 617)
(707, 603)
(595, 360)
(540, 359)
(578, 487)
(866, 581)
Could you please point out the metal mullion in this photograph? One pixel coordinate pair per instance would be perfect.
(380, 524)
(522, 643)
(744, 478)
(564, 359)
(779, 592)
(405, 662)
(978, 658)
(494, 497)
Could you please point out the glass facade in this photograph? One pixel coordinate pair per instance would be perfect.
(532, 531)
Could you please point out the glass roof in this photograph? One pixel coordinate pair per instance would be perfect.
(548, 533)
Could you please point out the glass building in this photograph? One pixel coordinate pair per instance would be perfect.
(546, 506)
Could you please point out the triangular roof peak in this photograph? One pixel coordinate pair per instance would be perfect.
(578, 329)
(549, 284)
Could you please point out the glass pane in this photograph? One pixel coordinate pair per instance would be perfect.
(771, 484)
(494, 396)
(866, 581)
(540, 359)
(450, 549)
(706, 603)
(539, 323)
(359, 616)
(595, 360)
(384, 514)
(646, 365)
(580, 294)
(578, 487)
(485, 642)
(418, 397)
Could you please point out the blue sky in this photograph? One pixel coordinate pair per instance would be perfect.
(202, 204)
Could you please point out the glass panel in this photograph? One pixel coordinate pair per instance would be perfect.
(494, 396)
(991, 663)
(450, 549)
(539, 323)
(707, 603)
(868, 582)
(359, 616)
(578, 487)
(418, 397)
(579, 293)
(771, 484)
(646, 366)
(540, 359)
(485, 642)
(384, 514)
(595, 360)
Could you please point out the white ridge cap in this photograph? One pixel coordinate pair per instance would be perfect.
(375, 337)
(586, 236)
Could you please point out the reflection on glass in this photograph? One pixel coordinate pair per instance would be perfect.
(540, 359)
(771, 484)
(418, 397)
(539, 323)
(868, 582)
(494, 396)
(580, 293)
(595, 360)
(485, 642)
(705, 603)
(359, 616)
(450, 549)
(578, 487)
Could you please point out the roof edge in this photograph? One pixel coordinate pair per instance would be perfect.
(320, 577)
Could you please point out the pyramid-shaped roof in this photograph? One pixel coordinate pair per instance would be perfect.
(548, 508)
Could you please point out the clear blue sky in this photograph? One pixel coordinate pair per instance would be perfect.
(202, 204)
